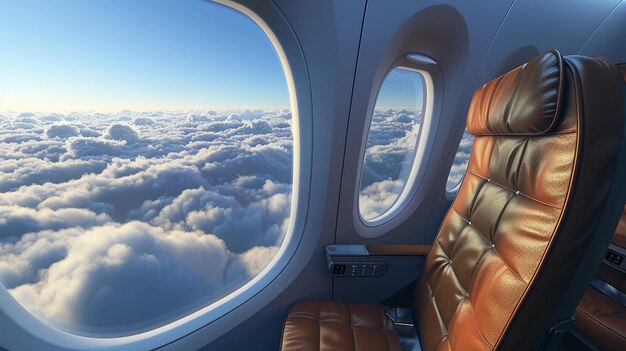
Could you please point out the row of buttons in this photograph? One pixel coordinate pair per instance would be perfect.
(353, 269)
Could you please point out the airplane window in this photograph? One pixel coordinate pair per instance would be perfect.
(392, 140)
(145, 161)
(461, 160)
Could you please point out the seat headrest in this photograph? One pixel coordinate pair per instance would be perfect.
(524, 101)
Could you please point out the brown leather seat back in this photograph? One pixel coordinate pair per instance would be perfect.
(547, 140)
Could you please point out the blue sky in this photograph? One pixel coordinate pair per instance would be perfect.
(401, 88)
(69, 55)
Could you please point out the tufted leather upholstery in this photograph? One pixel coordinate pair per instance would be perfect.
(332, 326)
(525, 211)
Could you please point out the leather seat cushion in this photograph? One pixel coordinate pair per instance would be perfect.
(332, 325)
(602, 320)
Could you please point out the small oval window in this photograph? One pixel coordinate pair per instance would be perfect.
(392, 141)
(461, 160)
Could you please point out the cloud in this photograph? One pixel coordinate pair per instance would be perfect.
(16, 220)
(107, 271)
(143, 121)
(250, 263)
(61, 131)
(461, 160)
(98, 218)
(378, 197)
(390, 146)
(122, 132)
(389, 154)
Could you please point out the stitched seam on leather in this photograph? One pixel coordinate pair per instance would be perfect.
(498, 253)
(493, 149)
(507, 109)
(439, 280)
(457, 278)
(499, 219)
(319, 328)
(470, 209)
(445, 337)
(519, 165)
(493, 95)
(467, 292)
(461, 234)
(479, 331)
(385, 331)
(352, 327)
(437, 313)
(474, 270)
(525, 195)
(519, 276)
(449, 264)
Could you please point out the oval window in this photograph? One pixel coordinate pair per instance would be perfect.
(461, 160)
(394, 132)
(146, 165)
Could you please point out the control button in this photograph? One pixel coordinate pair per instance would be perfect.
(339, 269)
(353, 270)
(614, 257)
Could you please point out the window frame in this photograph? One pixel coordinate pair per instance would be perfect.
(33, 333)
(408, 199)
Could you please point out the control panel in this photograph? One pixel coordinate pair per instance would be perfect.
(358, 269)
(615, 257)
(353, 261)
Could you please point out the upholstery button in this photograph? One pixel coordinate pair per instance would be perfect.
(517, 192)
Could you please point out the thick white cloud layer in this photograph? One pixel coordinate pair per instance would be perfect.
(389, 154)
(159, 213)
(461, 160)
(154, 213)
